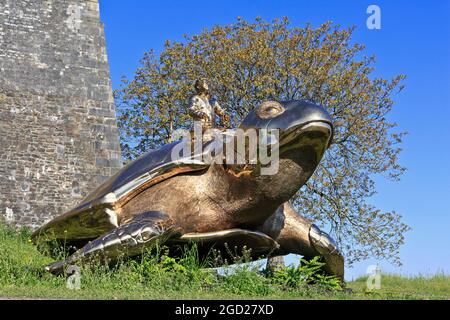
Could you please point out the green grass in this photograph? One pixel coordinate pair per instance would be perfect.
(160, 277)
(400, 287)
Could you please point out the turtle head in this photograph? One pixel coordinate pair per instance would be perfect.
(294, 120)
(303, 130)
(301, 126)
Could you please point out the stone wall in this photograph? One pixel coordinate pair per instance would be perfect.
(58, 133)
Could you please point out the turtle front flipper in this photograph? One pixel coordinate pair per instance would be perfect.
(298, 235)
(130, 239)
(327, 248)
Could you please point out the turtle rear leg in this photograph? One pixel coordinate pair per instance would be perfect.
(130, 239)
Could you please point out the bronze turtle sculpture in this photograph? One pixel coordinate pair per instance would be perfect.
(158, 199)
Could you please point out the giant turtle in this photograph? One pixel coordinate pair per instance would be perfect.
(158, 199)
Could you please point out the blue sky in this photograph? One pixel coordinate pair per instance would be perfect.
(414, 39)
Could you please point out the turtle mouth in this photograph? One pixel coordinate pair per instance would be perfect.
(319, 129)
(314, 136)
(305, 145)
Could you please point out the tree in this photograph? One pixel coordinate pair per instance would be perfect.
(247, 63)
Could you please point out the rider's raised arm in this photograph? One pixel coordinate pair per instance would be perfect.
(217, 108)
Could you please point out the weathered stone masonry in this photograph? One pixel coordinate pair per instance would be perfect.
(58, 133)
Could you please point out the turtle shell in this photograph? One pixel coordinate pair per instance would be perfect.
(97, 213)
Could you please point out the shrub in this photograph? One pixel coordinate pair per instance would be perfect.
(306, 273)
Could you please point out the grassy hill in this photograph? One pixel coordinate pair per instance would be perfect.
(21, 276)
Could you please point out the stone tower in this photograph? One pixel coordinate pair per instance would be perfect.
(58, 133)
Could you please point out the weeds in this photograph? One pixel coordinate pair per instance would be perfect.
(306, 273)
(157, 275)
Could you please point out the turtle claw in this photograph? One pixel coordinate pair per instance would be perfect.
(327, 248)
(55, 268)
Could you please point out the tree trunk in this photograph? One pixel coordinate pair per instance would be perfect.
(275, 263)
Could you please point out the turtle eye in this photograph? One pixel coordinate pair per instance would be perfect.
(269, 109)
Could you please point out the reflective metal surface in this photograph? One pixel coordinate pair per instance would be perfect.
(257, 243)
(202, 108)
(211, 204)
(97, 213)
(292, 114)
(328, 249)
(129, 239)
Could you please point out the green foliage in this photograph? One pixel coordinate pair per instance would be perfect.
(156, 275)
(400, 287)
(307, 272)
(20, 262)
(157, 269)
(249, 62)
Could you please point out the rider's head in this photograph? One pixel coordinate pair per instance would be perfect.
(201, 86)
